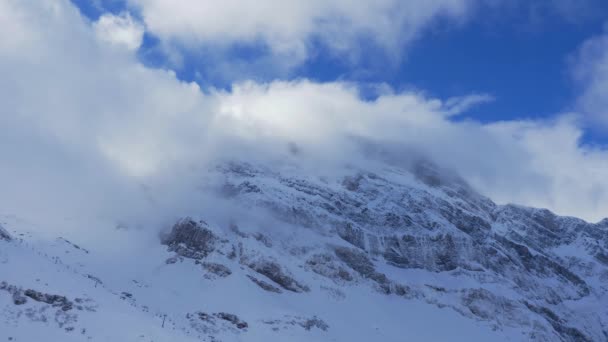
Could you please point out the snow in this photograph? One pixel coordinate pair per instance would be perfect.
(138, 289)
(174, 290)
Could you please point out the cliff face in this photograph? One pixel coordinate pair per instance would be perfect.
(495, 262)
(385, 254)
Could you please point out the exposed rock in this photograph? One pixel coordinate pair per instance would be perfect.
(54, 300)
(352, 183)
(231, 190)
(353, 235)
(542, 266)
(566, 332)
(325, 265)
(95, 279)
(359, 262)
(234, 319)
(4, 235)
(436, 222)
(172, 260)
(275, 272)
(264, 285)
(191, 239)
(264, 239)
(216, 322)
(290, 321)
(511, 266)
(73, 244)
(434, 253)
(314, 323)
(216, 269)
(19, 298)
(486, 305)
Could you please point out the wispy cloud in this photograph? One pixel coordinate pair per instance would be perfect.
(287, 29)
(591, 71)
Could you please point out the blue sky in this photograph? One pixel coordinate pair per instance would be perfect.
(519, 56)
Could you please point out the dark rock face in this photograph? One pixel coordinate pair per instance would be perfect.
(234, 319)
(274, 272)
(305, 323)
(191, 239)
(216, 322)
(486, 305)
(20, 297)
(263, 239)
(4, 235)
(354, 236)
(217, 269)
(15, 292)
(314, 323)
(324, 264)
(54, 300)
(424, 218)
(410, 251)
(542, 266)
(264, 285)
(359, 262)
(568, 333)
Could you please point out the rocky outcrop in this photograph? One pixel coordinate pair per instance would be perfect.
(360, 263)
(433, 221)
(434, 253)
(264, 285)
(273, 271)
(216, 269)
(305, 323)
(20, 297)
(190, 239)
(54, 300)
(4, 235)
(215, 323)
(327, 266)
(232, 318)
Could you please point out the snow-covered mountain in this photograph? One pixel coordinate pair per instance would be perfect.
(384, 253)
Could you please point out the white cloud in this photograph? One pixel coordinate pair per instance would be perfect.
(120, 29)
(287, 27)
(85, 125)
(458, 105)
(536, 163)
(591, 70)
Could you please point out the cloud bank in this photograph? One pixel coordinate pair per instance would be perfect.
(88, 129)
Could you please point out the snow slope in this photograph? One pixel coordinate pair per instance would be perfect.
(383, 254)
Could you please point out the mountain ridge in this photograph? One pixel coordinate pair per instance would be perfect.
(410, 235)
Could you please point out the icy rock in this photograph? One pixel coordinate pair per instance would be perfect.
(359, 262)
(324, 264)
(4, 235)
(54, 300)
(264, 285)
(217, 269)
(232, 318)
(274, 272)
(191, 239)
